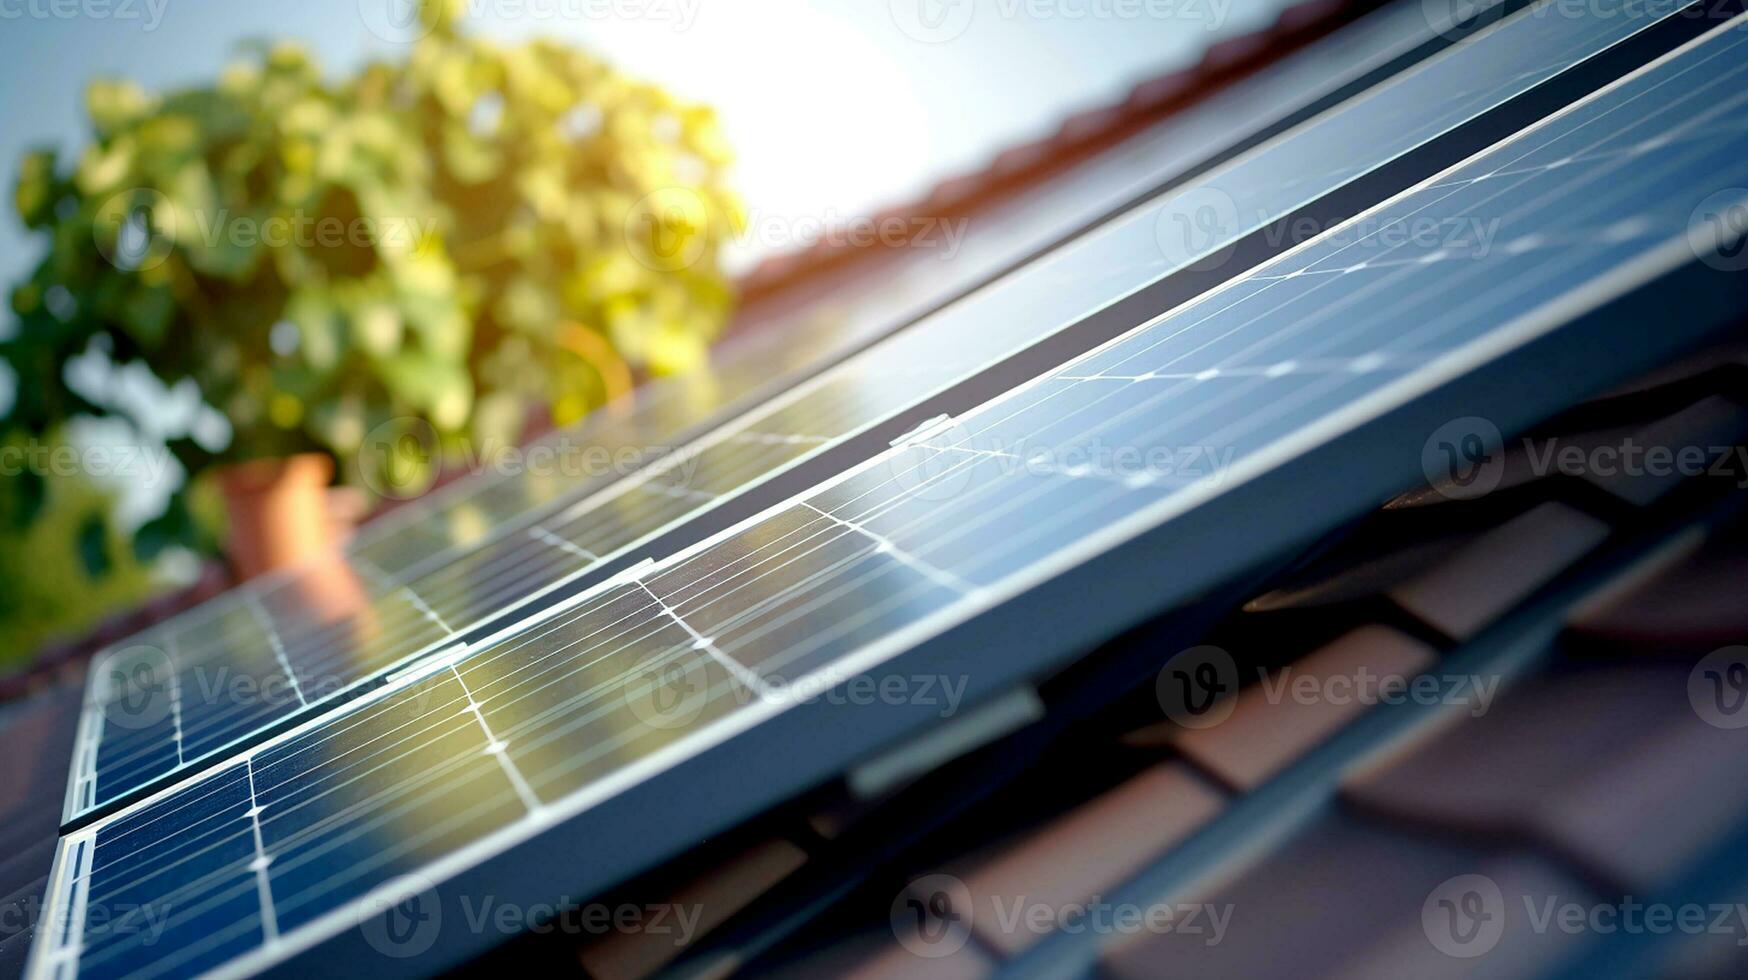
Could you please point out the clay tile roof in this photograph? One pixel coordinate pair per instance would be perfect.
(1019, 159)
(1160, 91)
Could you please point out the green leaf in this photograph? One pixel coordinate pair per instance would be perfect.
(30, 493)
(94, 546)
(37, 188)
(173, 528)
(447, 220)
(148, 312)
(436, 387)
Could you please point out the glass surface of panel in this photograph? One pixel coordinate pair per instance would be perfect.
(340, 626)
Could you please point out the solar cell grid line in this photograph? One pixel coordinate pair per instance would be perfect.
(278, 685)
(827, 585)
(278, 645)
(238, 678)
(943, 349)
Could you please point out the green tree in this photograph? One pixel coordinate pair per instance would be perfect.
(457, 237)
(62, 563)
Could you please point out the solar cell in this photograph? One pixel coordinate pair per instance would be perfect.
(465, 761)
(339, 625)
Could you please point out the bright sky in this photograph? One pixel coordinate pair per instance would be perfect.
(835, 107)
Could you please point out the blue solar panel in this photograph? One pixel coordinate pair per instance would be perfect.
(334, 626)
(467, 759)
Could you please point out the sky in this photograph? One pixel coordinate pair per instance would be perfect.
(835, 108)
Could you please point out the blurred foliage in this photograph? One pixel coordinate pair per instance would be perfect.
(62, 564)
(459, 237)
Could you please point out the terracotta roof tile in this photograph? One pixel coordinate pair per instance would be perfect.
(1160, 90)
(1017, 159)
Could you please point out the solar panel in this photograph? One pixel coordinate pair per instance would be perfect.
(1231, 119)
(187, 694)
(571, 752)
(495, 503)
(747, 363)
